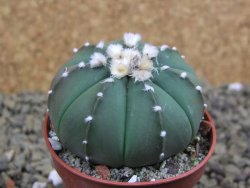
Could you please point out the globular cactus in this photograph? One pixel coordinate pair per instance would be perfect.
(127, 103)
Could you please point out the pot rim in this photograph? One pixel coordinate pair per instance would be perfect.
(208, 119)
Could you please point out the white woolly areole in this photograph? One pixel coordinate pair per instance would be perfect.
(119, 69)
(99, 94)
(88, 119)
(75, 50)
(50, 91)
(198, 88)
(174, 48)
(146, 64)
(183, 75)
(131, 39)
(114, 51)
(97, 60)
(108, 80)
(157, 108)
(163, 133)
(65, 74)
(150, 50)
(141, 75)
(165, 67)
(164, 47)
(86, 44)
(205, 105)
(162, 155)
(84, 141)
(100, 44)
(183, 57)
(81, 64)
(148, 88)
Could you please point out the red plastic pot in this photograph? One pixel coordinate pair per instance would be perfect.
(73, 178)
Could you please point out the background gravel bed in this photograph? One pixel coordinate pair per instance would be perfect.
(25, 162)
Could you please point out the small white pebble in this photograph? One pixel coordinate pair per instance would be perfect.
(57, 146)
(198, 88)
(148, 88)
(236, 86)
(174, 48)
(49, 92)
(99, 94)
(157, 108)
(55, 138)
(164, 67)
(87, 158)
(164, 47)
(205, 105)
(55, 178)
(81, 64)
(133, 179)
(163, 133)
(88, 119)
(183, 75)
(183, 57)
(39, 184)
(75, 50)
(86, 44)
(100, 44)
(47, 110)
(152, 179)
(84, 141)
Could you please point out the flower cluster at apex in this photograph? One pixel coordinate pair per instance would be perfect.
(127, 60)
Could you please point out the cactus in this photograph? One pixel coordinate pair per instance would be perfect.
(127, 103)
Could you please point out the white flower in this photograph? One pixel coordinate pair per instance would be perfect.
(131, 39)
(97, 60)
(130, 54)
(100, 44)
(119, 69)
(146, 64)
(114, 51)
(150, 50)
(141, 75)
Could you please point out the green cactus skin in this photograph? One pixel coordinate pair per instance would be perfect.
(120, 121)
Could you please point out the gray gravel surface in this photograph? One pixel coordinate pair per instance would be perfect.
(24, 160)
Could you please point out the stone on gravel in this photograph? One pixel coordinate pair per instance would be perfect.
(133, 179)
(3, 163)
(54, 178)
(57, 146)
(38, 184)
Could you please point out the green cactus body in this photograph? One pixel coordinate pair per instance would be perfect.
(126, 103)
